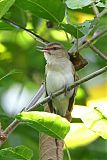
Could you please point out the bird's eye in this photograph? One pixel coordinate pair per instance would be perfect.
(55, 48)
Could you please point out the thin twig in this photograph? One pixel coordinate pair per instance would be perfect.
(93, 39)
(8, 131)
(85, 79)
(10, 73)
(67, 37)
(36, 97)
(67, 16)
(103, 13)
(84, 38)
(68, 22)
(95, 9)
(41, 40)
(11, 127)
(98, 52)
(14, 124)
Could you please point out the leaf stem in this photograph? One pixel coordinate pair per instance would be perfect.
(98, 52)
(95, 9)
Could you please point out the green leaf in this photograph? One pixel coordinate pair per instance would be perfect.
(72, 29)
(100, 4)
(4, 116)
(48, 9)
(106, 3)
(49, 123)
(96, 120)
(9, 73)
(17, 15)
(4, 26)
(81, 136)
(17, 153)
(84, 27)
(77, 3)
(5, 5)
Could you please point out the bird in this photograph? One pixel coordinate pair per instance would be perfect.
(59, 73)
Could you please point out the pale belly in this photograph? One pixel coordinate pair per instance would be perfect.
(55, 81)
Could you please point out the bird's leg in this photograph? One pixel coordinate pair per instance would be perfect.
(50, 103)
(66, 89)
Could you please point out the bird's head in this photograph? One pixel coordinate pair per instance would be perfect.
(54, 51)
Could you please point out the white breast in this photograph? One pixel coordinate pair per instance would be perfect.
(59, 75)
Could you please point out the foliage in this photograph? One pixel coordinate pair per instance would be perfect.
(19, 152)
(96, 120)
(21, 63)
(5, 5)
(51, 124)
(44, 9)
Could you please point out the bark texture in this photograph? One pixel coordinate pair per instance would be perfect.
(50, 148)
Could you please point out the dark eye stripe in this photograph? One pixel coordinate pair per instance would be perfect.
(55, 48)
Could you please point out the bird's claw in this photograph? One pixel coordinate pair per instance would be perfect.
(66, 89)
(50, 96)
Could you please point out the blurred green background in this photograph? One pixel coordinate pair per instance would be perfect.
(20, 58)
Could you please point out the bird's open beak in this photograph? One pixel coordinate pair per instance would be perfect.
(43, 49)
(40, 48)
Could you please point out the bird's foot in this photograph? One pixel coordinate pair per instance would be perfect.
(50, 96)
(66, 89)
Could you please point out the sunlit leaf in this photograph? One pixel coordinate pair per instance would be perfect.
(96, 120)
(48, 9)
(72, 29)
(78, 3)
(51, 124)
(19, 152)
(5, 5)
(100, 4)
(4, 26)
(79, 135)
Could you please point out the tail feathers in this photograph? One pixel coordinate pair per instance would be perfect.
(70, 108)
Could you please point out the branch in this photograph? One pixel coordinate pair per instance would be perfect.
(98, 52)
(95, 9)
(36, 97)
(84, 38)
(38, 37)
(14, 124)
(93, 39)
(102, 13)
(67, 16)
(4, 135)
(82, 80)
